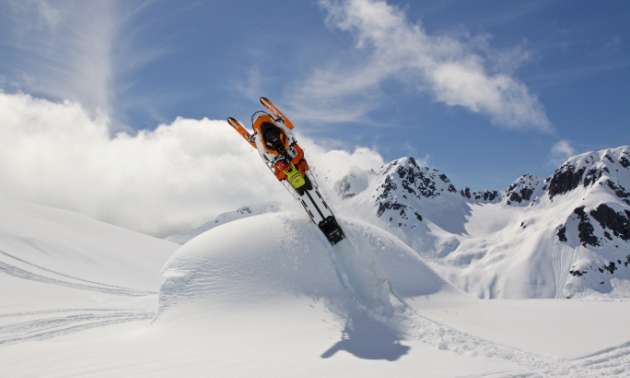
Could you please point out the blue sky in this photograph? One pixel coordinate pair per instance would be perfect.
(485, 91)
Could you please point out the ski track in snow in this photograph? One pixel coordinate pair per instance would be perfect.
(31, 313)
(613, 361)
(358, 270)
(65, 275)
(75, 320)
(562, 260)
(115, 290)
(42, 329)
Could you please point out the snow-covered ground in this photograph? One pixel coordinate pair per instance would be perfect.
(266, 295)
(62, 272)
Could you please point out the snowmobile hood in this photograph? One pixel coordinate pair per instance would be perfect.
(260, 119)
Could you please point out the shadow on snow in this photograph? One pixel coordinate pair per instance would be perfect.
(367, 339)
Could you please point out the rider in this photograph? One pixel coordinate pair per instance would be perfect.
(277, 145)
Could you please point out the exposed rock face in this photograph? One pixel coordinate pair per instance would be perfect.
(610, 267)
(577, 273)
(487, 195)
(243, 210)
(562, 234)
(593, 175)
(617, 222)
(404, 209)
(525, 189)
(566, 178)
(620, 191)
(585, 228)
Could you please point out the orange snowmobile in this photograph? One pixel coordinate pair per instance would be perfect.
(273, 138)
(276, 144)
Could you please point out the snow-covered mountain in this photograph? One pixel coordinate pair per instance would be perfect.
(243, 212)
(539, 238)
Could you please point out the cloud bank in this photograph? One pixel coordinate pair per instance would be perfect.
(462, 72)
(157, 182)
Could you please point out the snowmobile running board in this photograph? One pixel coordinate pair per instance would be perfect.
(321, 215)
(311, 199)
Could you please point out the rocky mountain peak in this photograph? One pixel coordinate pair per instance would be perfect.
(485, 195)
(524, 190)
(397, 190)
(610, 167)
(413, 180)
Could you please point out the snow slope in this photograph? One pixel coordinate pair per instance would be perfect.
(63, 272)
(552, 238)
(268, 296)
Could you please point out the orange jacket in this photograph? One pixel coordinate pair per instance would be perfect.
(299, 162)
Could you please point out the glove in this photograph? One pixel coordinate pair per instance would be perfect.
(282, 166)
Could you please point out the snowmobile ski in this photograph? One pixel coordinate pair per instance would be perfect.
(308, 194)
(276, 112)
(241, 130)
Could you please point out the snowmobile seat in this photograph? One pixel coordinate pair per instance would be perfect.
(274, 138)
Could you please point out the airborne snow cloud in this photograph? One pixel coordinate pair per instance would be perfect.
(462, 72)
(159, 182)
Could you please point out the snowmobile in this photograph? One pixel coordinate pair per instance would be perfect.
(278, 148)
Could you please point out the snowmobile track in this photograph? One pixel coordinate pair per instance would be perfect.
(20, 273)
(46, 328)
(57, 273)
(611, 362)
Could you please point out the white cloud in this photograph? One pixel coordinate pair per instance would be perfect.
(332, 164)
(34, 14)
(78, 50)
(451, 69)
(561, 152)
(423, 162)
(64, 51)
(157, 182)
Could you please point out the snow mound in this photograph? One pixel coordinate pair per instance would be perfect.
(273, 259)
(263, 285)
